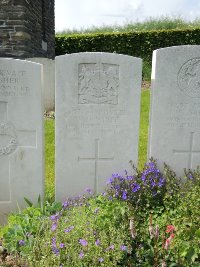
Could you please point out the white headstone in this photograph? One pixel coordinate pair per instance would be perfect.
(48, 81)
(97, 119)
(21, 134)
(175, 107)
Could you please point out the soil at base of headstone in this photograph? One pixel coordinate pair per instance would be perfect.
(146, 84)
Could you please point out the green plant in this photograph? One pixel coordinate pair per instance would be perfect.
(22, 227)
(84, 233)
(147, 218)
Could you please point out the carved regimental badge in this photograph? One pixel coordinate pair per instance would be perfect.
(8, 138)
(189, 77)
(98, 83)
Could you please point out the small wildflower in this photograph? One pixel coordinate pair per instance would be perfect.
(21, 242)
(83, 242)
(190, 176)
(62, 245)
(97, 242)
(65, 204)
(81, 255)
(129, 177)
(168, 241)
(88, 190)
(124, 195)
(67, 230)
(56, 251)
(123, 248)
(101, 259)
(135, 187)
(170, 229)
(109, 181)
(54, 217)
(54, 226)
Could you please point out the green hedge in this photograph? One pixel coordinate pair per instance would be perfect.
(138, 44)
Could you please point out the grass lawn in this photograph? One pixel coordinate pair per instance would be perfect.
(50, 144)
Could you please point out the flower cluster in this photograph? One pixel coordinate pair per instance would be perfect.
(149, 183)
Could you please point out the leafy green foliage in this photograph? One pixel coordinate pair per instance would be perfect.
(137, 44)
(146, 218)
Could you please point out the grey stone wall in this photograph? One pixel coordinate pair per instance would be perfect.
(27, 28)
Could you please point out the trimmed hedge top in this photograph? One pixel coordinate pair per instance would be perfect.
(138, 44)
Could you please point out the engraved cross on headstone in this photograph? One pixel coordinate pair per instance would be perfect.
(96, 159)
(189, 151)
(10, 140)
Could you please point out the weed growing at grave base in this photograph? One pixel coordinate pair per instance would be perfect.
(146, 218)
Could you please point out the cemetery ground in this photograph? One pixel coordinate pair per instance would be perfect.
(144, 218)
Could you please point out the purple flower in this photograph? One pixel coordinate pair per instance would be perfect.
(161, 182)
(81, 255)
(153, 184)
(111, 247)
(124, 195)
(129, 178)
(190, 176)
(53, 227)
(123, 248)
(135, 187)
(62, 245)
(65, 204)
(110, 181)
(88, 190)
(67, 230)
(21, 242)
(55, 217)
(83, 242)
(55, 251)
(97, 242)
(101, 259)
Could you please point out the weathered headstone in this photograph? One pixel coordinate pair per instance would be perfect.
(48, 81)
(97, 119)
(21, 134)
(175, 107)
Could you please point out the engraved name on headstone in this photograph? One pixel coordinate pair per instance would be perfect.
(21, 134)
(175, 107)
(97, 119)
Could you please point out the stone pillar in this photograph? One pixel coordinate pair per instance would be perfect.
(27, 28)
